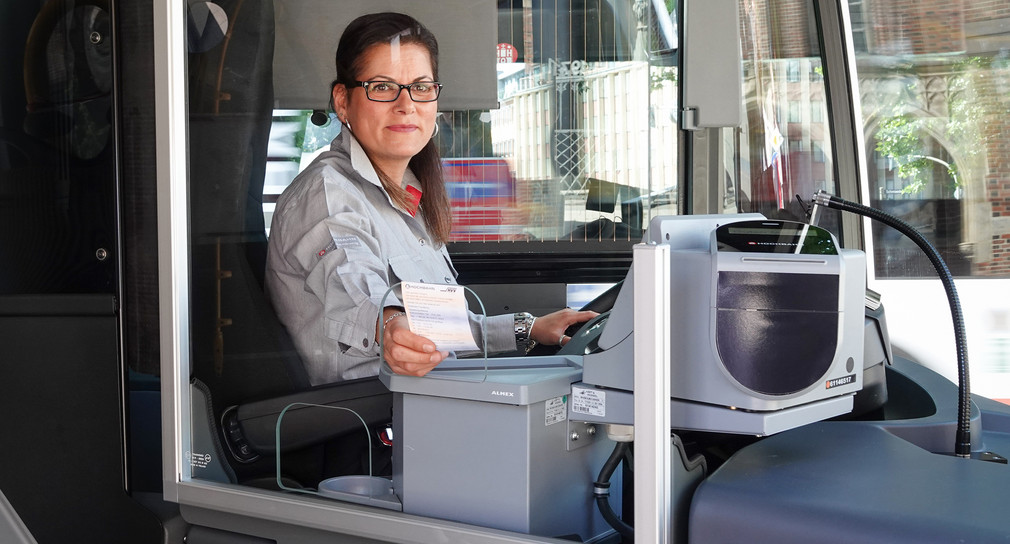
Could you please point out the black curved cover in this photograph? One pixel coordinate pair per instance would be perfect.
(776, 333)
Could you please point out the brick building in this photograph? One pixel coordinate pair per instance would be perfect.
(935, 93)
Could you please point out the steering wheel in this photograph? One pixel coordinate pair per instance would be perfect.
(584, 336)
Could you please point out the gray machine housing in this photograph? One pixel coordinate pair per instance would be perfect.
(760, 341)
(494, 447)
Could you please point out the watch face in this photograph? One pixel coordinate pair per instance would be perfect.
(775, 237)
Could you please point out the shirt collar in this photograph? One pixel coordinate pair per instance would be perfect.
(359, 160)
(363, 166)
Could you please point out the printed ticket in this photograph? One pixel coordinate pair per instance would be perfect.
(438, 313)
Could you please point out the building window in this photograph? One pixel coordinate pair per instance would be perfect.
(794, 112)
(793, 71)
(817, 150)
(860, 26)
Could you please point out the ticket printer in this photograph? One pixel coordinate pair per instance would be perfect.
(767, 328)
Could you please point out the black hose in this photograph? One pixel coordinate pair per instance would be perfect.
(601, 490)
(962, 439)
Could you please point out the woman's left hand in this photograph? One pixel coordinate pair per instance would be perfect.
(549, 330)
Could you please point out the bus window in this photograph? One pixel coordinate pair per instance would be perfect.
(934, 105)
(581, 148)
(565, 162)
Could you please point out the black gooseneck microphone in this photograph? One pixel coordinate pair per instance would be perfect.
(962, 439)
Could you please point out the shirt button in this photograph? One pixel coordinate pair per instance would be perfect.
(364, 342)
(421, 241)
(448, 279)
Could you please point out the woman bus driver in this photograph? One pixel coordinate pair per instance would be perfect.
(372, 211)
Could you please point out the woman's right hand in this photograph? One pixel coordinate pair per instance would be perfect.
(408, 353)
(549, 330)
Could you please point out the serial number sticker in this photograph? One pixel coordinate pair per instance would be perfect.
(838, 382)
(589, 401)
(556, 410)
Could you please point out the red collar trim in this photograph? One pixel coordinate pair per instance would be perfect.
(415, 199)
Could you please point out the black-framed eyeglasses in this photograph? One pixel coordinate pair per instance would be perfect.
(388, 91)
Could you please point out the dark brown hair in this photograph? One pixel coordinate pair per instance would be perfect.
(380, 28)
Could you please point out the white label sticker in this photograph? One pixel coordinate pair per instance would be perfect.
(198, 460)
(556, 410)
(589, 401)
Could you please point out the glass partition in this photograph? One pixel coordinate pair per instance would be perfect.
(580, 153)
(582, 150)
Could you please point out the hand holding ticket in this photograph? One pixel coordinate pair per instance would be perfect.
(438, 313)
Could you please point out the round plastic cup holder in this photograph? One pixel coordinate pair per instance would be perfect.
(361, 489)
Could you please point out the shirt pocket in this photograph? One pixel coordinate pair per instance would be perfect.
(433, 268)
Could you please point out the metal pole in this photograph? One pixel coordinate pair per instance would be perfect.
(652, 393)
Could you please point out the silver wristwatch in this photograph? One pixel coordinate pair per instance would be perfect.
(523, 328)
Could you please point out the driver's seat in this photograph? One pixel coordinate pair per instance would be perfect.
(246, 373)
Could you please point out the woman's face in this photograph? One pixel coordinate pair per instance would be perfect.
(391, 132)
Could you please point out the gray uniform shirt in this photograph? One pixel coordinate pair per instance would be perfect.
(337, 242)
